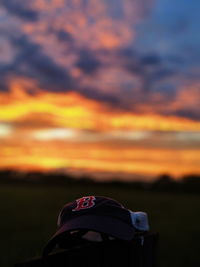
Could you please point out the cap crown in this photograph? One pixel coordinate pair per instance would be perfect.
(94, 205)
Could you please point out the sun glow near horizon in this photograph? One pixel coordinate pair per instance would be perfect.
(49, 131)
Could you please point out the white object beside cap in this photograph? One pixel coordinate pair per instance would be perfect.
(140, 220)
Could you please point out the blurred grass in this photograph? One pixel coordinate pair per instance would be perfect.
(29, 214)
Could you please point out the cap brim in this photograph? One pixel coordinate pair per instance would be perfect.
(108, 225)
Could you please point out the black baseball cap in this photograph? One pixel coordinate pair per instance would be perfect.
(96, 213)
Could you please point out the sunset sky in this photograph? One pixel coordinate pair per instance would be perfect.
(108, 88)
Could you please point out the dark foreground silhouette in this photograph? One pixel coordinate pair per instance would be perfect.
(105, 254)
(163, 183)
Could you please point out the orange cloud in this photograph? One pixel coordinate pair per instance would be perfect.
(99, 157)
(47, 131)
(90, 24)
(73, 110)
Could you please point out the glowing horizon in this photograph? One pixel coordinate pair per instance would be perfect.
(76, 137)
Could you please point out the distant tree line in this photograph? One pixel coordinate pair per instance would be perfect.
(163, 183)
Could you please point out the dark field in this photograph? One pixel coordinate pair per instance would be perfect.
(29, 214)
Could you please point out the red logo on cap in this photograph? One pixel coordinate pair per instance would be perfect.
(84, 203)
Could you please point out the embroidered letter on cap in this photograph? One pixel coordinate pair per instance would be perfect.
(84, 203)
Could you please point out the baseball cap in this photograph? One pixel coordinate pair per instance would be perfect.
(100, 214)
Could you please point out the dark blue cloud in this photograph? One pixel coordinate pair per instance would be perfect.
(92, 93)
(63, 36)
(150, 67)
(150, 59)
(20, 9)
(3, 84)
(88, 62)
(188, 113)
(32, 62)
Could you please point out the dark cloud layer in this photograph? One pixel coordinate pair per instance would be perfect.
(87, 62)
(20, 9)
(63, 36)
(32, 62)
